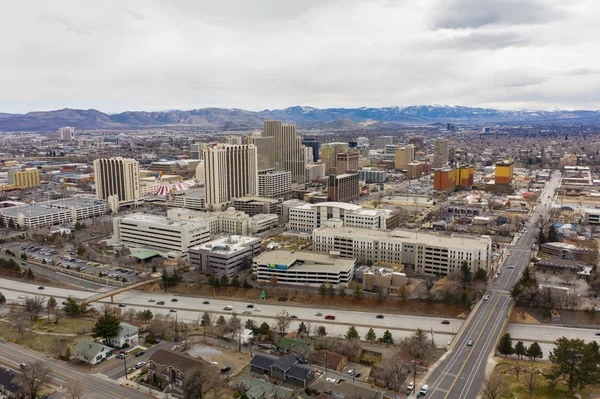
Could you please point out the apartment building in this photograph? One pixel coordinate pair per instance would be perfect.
(26, 178)
(275, 184)
(66, 133)
(372, 175)
(343, 188)
(427, 253)
(225, 256)
(347, 162)
(403, 156)
(303, 268)
(440, 153)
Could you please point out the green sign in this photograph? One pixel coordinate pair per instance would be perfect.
(262, 295)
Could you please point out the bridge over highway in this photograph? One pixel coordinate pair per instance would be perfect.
(111, 294)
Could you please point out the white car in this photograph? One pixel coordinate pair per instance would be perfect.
(21, 297)
(256, 309)
(214, 363)
(411, 386)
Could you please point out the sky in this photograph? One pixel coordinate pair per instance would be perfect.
(269, 54)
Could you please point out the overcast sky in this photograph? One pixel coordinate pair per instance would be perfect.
(258, 54)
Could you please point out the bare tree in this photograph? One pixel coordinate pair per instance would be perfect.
(21, 324)
(34, 306)
(518, 367)
(283, 321)
(129, 315)
(75, 389)
(494, 386)
(531, 382)
(34, 378)
(198, 382)
(396, 371)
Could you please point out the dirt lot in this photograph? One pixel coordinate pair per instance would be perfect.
(567, 317)
(223, 356)
(304, 298)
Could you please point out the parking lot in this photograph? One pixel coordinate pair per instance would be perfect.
(67, 258)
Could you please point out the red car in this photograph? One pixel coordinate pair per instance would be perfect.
(330, 317)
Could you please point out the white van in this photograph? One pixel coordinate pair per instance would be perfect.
(424, 390)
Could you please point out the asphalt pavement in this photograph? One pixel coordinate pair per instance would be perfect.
(460, 374)
(95, 386)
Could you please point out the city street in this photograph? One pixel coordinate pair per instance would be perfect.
(95, 386)
(462, 371)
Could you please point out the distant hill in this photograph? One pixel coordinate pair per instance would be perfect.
(327, 118)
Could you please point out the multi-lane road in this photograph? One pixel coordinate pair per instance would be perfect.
(95, 386)
(461, 373)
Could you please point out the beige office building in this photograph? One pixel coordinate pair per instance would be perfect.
(440, 153)
(230, 171)
(265, 150)
(27, 178)
(404, 156)
(347, 162)
(117, 176)
(66, 133)
(329, 152)
(289, 151)
(275, 184)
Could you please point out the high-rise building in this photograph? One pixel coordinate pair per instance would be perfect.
(380, 142)
(289, 151)
(403, 156)
(275, 184)
(347, 162)
(117, 176)
(26, 178)
(440, 153)
(314, 144)
(66, 133)
(362, 141)
(448, 179)
(196, 150)
(230, 171)
(504, 172)
(343, 188)
(314, 171)
(234, 140)
(372, 175)
(265, 150)
(329, 153)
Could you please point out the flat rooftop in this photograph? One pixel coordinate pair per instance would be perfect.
(228, 245)
(158, 219)
(408, 236)
(52, 207)
(305, 261)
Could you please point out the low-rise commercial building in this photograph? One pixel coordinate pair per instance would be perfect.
(263, 222)
(68, 210)
(225, 256)
(255, 205)
(307, 217)
(303, 268)
(427, 253)
(275, 184)
(384, 279)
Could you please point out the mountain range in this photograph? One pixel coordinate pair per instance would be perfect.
(327, 118)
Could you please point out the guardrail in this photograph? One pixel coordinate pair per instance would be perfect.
(84, 276)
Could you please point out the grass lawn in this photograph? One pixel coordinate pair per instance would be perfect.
(47, 344)
(65, 325)
(542, 390)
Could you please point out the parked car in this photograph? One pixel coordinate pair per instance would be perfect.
(225, 369)
(140, 353)
(121, 356)
(411, 386)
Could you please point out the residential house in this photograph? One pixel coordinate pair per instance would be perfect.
(293, 344)
(284, 368)
(258, 389)
(128, 336)
(172, 367)
(345, 390)
(8, 387)
(92, 352)
(330, 360)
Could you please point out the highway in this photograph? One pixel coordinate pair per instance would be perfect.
(461, 373)
(191, 309)
(95, 386)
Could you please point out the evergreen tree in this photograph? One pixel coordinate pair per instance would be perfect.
(342, 292)
(302, 329)
(30, 275)
(358, 292)
(480, 274)
(264, 328)
(321, 331)
(331, 290)
(552, 237)
(387, 338)
(520, 350)
(371, 336)
(465, 273)
(541, 237)
(534, 351)
(224, 281)
(107, 326)
(246, 284)
(352, 334)
(2, 299)
(574, 361)
(505, 346)
(323, 290)
(235, 282)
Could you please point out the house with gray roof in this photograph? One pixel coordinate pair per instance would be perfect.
(284, 368)
(128, 335)
(92, 352)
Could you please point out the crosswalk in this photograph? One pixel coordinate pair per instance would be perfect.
(501, 291)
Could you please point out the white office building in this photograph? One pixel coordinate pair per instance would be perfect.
(170, 238)
(66, 133)
(428, 253)
(308, 217)
(224, 256)
(303, 268)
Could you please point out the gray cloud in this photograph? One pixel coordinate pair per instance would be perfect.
(462, 14)
(153, 55)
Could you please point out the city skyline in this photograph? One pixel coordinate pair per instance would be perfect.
(153, 56)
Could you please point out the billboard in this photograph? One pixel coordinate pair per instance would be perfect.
(276, 266)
